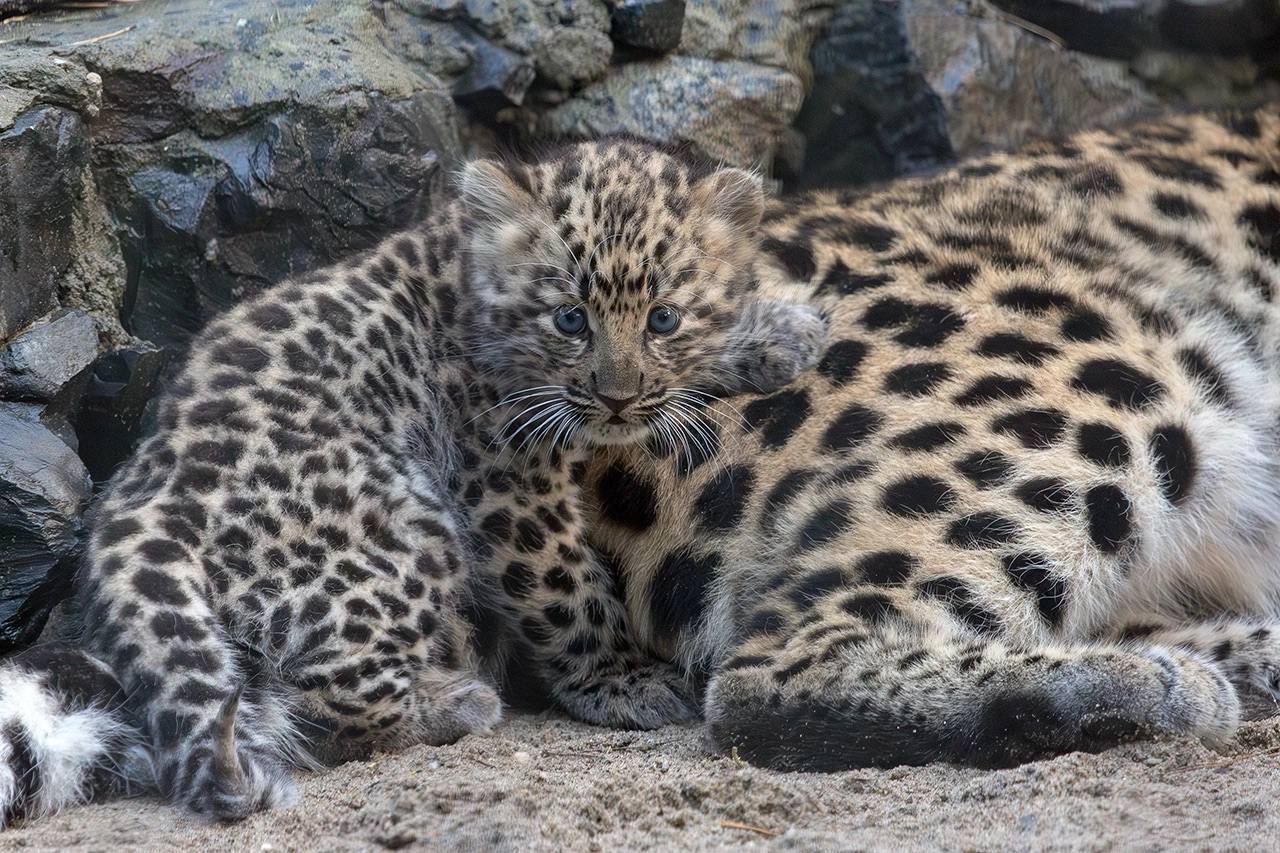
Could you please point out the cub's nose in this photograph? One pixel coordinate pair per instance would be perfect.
(616, 404)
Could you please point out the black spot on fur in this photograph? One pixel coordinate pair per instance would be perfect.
(161, 551)
(824, 525)
(917, 495)
(496, 526)
(1016, 347)
(796, 258)
(720, 505)
(788, 487)
(930, 326)
(851, 428)
(1045, 494)
(1175, 460)
(1084, 325)
(1033, 300)
(778, 416)
(989, 389)
(927, 437)
(816, 586)
(627, 499)
(271, 317)
(1177, 206)
(960, 600)
(877, 238)
(1103, 445)
(874, 607)
(917, 380)
(1110, 521)
(160, 588)
(1206, 374)
(1035, 429)
(841, 361)
(236, 352)
(840, 281)
(986, 469)
(518, 580)
(982, 530)
(954, 276)
(886, 568)
(681, 590)
(1121, 384)
(1034, 573)
(1178, 169)
(887, 313)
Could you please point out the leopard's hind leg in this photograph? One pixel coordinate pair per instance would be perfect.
(1246, 650)
(872, 680)
(214, 735)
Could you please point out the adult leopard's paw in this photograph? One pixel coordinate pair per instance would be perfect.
(644, 696)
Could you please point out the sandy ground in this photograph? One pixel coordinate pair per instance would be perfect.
(543, 783)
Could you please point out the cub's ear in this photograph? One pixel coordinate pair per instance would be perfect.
(734, 195)
(491, 193)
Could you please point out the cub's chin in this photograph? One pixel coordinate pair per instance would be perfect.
(613, 435)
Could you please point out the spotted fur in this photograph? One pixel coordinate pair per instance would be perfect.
(1047, 412)
(290, 570)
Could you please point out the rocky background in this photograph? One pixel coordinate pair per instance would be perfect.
(161, 159)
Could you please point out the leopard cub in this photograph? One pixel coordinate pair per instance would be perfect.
(291, 568)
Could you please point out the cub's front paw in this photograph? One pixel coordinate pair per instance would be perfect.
(644, 696)
(799, 337)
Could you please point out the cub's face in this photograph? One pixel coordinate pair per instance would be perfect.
(614, 291)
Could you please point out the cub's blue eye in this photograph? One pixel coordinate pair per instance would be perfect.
(570, 321)
(663, 320)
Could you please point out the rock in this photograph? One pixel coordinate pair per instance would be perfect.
(43, 491)
(1116, 28)
(236, 144)
(117, 404)
(568, 57)
(39, 363)
(731, 111)
(1223, 26)
(648, 24)
(1126, 28)
(871, 114)
(495, 77)
(43, 160)
(774, 33)
(908, 85)
(1001, 85)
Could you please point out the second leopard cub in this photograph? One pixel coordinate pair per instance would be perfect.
(286, 570)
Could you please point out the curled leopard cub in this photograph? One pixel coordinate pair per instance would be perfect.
(1027, 502)
(289, 570)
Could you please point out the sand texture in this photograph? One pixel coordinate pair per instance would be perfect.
(544, 783)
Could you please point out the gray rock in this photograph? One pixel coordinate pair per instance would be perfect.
(871, 114)
(236, 144)
(773, 33)
(39, 363)
(648, 24)
(905, 86)
(117, 406)
(1126, 28)
(43, 491)
(1224, 26)
(568, 57)
(731, 111)
(43, 159)
(1020, 86)
(1116, 28)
